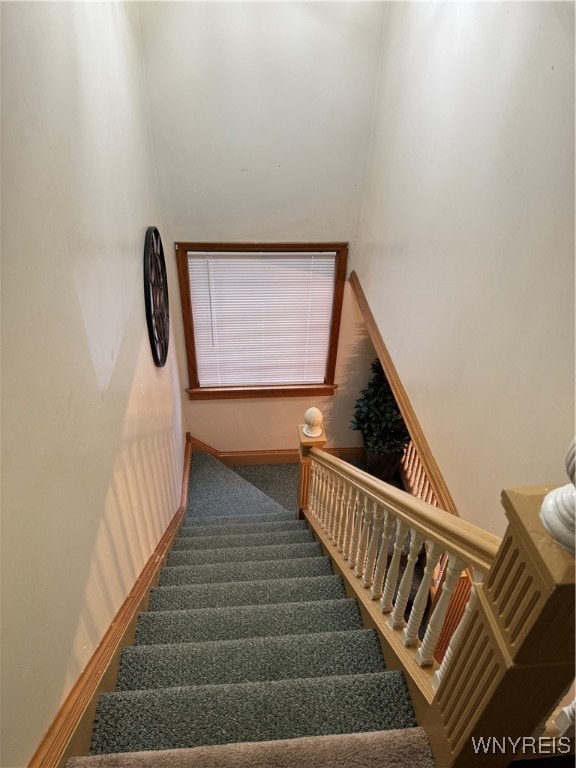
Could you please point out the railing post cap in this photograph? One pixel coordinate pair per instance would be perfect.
(313, 422)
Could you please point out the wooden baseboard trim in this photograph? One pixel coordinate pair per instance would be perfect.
(443, 495)
(277, 456)
(70, 732)
(236, 458)
(352, 455)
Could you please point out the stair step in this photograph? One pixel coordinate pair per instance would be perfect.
(408, 748)
(243, 554)
(250, 571)
(230, 623)
(249, 647)
(220, 714)
(242, 540)
(295, 590)
(197, 518)
(242, 526)
(250, 660)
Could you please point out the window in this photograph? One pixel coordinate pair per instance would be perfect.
(261, 319)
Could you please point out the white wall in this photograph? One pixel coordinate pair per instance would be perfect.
(261, 117)
(91, 429)
(466, 246)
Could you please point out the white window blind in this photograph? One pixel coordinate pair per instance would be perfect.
(261, 318)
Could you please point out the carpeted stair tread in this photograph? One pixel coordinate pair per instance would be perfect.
(192, 519)
(282, 709)
(402, 749)
(194, 626)
(250, 660)
(249, 571)
(242, 527)
(294, 590)
(243, 554)
(242, 540)
(210, 482)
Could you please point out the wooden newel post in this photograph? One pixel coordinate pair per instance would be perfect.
(516, 656)
(311, 435)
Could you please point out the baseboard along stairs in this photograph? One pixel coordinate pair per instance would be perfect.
(251, 655)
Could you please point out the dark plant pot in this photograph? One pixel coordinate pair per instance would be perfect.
(383, 466)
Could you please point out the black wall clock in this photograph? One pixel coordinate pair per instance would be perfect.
(156, 296)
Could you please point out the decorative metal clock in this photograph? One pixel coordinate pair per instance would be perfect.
(156, 296)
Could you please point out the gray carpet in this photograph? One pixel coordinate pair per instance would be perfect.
(215, 490)
(243, 526)
(247, 621)
(243, 554)
(172, 718)
(250, 659)
(296, 590)
(278, 481)
(249, 637)
(225, 541)
(245, 571)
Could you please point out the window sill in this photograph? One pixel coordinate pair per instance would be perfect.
(240, 393)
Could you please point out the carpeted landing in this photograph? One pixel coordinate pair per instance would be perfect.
(251, 654)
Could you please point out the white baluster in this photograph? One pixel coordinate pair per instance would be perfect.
(329, 502)
(317, 478)
(337, 511)
(396, 620)
(410, 633)
(356, 533)
(322, 498)
(373, 546)
(363, 543)
(455, 639)
(382, 562)
(313, 497)
(386, 603)
(345, 513)
(425, 654)
(350, 523)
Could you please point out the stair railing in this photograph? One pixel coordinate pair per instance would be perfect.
(416, 481)
(378, 532)
(520, 610)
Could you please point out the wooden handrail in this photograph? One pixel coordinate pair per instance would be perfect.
(425, 454)
(468, 542)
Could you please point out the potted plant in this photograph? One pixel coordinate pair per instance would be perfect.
(377, 416)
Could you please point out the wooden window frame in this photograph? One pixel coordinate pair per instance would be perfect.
(195, 391)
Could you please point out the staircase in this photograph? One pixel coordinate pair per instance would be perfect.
(251, 654)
